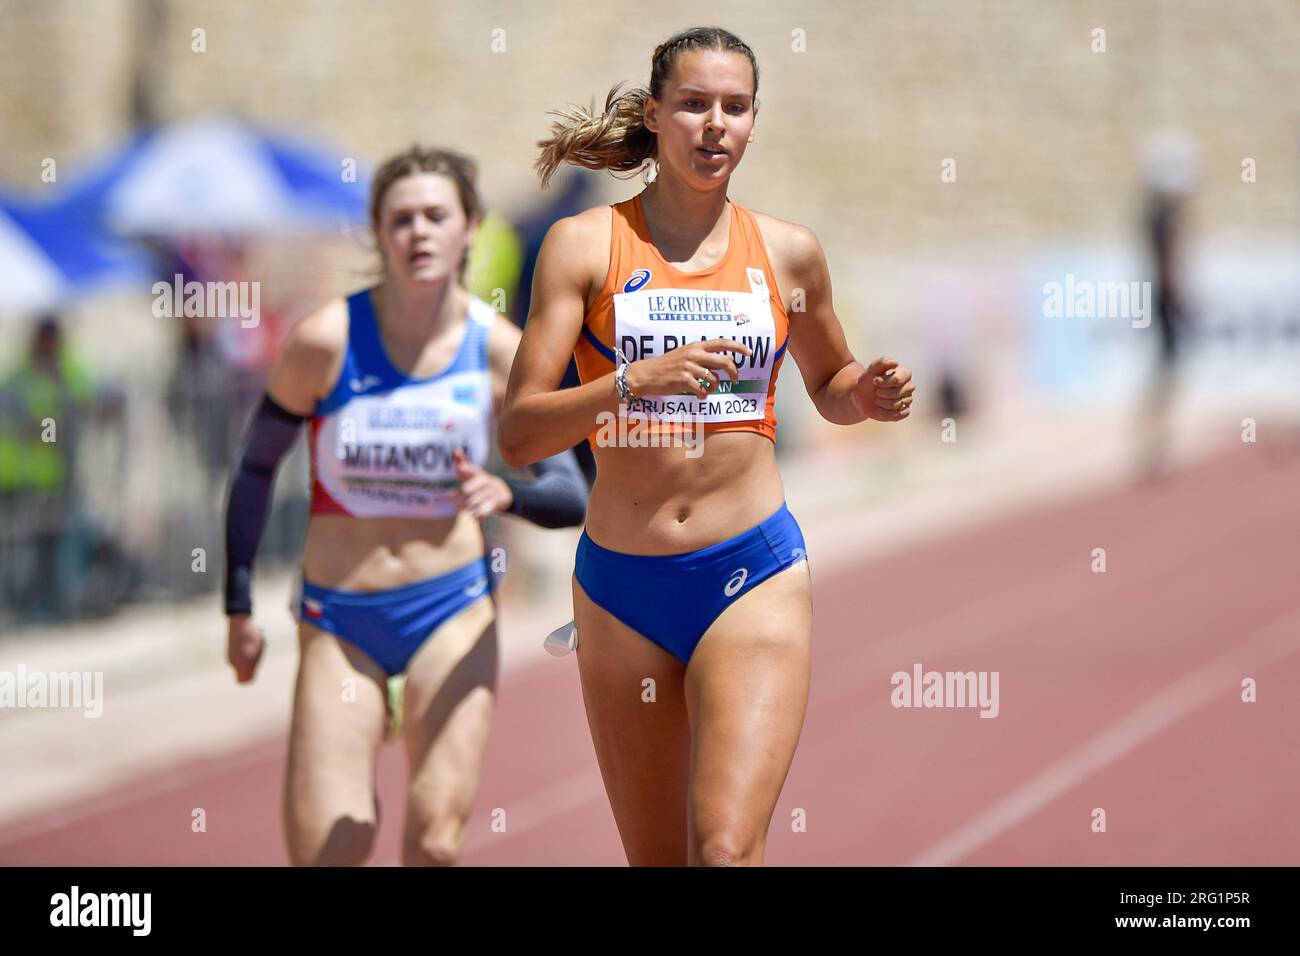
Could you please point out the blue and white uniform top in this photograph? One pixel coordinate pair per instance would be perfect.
(382, 441)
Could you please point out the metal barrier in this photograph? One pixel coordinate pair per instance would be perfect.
(140, 514)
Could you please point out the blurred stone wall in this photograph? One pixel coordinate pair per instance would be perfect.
(851, 133)
(861, 103)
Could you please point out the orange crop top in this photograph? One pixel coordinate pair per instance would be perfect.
(650, 308)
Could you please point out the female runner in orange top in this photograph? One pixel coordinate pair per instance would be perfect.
(691, 571)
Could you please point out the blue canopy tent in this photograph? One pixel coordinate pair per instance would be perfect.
(217, 174)
(49, 257)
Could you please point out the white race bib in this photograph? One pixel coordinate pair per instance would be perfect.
(390, 454)
(653, 322)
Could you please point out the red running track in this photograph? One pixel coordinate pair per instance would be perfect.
(1119, 691)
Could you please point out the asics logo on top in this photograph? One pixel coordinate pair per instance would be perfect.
(477, 588)
(636, 280)
(736, 582)
(365, 382)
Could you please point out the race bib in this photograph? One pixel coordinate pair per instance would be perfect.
(653, 322)
(391, 453)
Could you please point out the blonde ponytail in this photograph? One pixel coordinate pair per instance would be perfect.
(616, 139)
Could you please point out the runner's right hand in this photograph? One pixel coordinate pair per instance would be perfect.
(244, 646)
(679, 371)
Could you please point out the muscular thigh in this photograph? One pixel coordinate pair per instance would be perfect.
(747, 693)
(338, 720)
(633, 695)
(448, 704)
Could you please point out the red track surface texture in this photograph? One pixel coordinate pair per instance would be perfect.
(1119, 691)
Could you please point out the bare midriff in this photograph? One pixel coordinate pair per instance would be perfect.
(375, 554)
(656, 500)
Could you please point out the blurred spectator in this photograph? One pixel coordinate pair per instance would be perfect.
(43, 403)
(247, 351)
(952, 394)
(199, 386)
(197, 402)
(220, 371)
(947, 342)
(573, 196)
(1171, 161)
(495, 262)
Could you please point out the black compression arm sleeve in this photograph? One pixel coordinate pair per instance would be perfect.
(557, 498)
(270, 435)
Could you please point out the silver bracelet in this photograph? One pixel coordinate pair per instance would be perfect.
(625, 394)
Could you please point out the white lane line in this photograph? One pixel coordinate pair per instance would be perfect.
(1015, 606)
(1274, 643)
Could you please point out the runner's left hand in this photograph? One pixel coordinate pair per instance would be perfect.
(884, 391)
(481, 492)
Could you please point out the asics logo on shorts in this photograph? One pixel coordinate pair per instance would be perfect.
(476, 589)
(736, 581)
